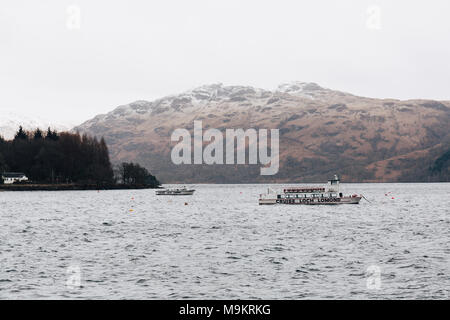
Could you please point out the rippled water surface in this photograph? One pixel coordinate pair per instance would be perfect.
(220, 244)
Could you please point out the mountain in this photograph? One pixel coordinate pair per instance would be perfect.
(10, 122)
(322, 132)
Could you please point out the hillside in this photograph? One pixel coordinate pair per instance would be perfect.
(322, 132)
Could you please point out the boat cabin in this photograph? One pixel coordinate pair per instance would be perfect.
(11, 177)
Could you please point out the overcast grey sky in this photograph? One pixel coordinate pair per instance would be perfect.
(70, 69)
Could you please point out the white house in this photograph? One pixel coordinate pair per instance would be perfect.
(11, 177)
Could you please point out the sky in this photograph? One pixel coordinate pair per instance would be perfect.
(68, 61)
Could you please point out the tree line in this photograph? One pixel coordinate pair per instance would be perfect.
(52, 157)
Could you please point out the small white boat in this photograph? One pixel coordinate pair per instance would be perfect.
(310, 195)
(175, 192)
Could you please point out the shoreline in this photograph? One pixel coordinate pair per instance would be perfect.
(70, 187)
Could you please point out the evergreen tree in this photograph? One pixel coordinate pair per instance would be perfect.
(38, 134)
(51, 135)
(3, 166)
(21, 134)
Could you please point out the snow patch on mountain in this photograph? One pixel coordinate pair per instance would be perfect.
(308, 90)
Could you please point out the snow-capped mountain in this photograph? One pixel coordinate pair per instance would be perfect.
(11, 120)
(200, 98)
(212, 95)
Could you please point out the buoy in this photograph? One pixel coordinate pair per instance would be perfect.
(185, 203)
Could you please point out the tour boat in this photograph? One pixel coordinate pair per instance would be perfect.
(310, 195)
(175, 192)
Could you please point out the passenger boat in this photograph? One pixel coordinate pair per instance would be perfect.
(310, 195)
(175, 192)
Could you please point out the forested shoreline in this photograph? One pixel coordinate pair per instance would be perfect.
(68, 158)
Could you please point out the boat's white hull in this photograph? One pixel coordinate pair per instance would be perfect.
(312, 201)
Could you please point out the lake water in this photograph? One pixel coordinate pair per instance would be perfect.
(220, 244)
